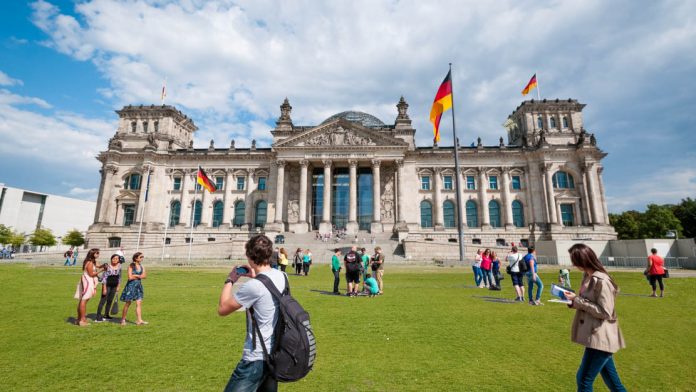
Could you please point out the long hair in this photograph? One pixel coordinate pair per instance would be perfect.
(90, 257)
(582, 256)
(284, 252)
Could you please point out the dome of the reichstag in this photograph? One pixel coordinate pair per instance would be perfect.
(366, 120)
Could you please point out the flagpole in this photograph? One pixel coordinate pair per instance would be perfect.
(460, 212)
(142, 210)
(193, 210)
(537, 87)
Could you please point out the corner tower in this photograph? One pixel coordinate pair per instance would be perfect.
(550, 122)
(153, 127)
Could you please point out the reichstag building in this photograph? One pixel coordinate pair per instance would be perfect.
(352, 173)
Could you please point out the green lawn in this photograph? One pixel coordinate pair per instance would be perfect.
(431, 331)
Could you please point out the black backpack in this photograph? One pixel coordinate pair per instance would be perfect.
(295, 348)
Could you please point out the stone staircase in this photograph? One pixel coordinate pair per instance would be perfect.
(322, 251)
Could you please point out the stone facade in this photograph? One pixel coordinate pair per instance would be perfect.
(356, 173)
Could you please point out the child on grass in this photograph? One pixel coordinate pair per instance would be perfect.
(372, 285)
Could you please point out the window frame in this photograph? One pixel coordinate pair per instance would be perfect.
(261, 184)
(449, 218)
(516, 180)
(218, 213)
(471, 208)
(445, 182)
(498, 221)
(129, 210)
(425, 184)
(493, 182)
(176, 183)
(243, 183)
(426, 221)
(472, 183)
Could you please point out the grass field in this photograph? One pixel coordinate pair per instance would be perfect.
(431, 331)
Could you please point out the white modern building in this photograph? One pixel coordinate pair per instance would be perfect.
(24, 211)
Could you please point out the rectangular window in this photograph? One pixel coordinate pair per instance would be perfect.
(219, 182)
(425, 183)
(470, 183)
(167, 240)
(567, 216)
(262, 183)
(516, 184)
(128, 214)
(198, 187)
(177, 183)
(492, 182)
(114, 242)
(240, 183)
(448, 182)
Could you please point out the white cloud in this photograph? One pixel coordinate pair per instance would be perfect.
(5, 80)
(666, 186)
(83, 193)
(8, 98)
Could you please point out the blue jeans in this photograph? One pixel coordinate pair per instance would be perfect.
(495, 271)
(478, 276)
(594, 362)
(67, 261)
(487, 277)
(251, 376)
(539, 284)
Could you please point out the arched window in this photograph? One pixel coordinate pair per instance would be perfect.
(494, 213)
(132, 182)
(218, 209)
(540, 122)
(553, 122)
(471, 214)
(517, 214)
(174, 213)
(261, 208)
(563, 180)
(238, 214)
(448, 213)
(426, 211)
(197, 210)
(565, 122)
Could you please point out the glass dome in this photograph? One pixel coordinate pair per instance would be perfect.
(366, 120)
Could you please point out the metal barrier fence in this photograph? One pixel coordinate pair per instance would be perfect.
(619, 261)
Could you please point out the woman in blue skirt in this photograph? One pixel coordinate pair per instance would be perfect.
(134, 289)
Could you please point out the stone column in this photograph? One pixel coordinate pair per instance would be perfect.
(280, 187)
(376, 225)
(325, 225)
(226, 200)
(249, 200)
(105, 194)
(437, 199)
(550, 197)
(529, 215)
(602, 196)
(206, 207)
(352, 225)
(592, 193)
(401, 192)
(185, 199)
(303, 191)
(584, 206)
(462, 187)
(506, 198)
(483, 201)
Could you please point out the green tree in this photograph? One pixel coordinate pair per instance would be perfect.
(74, 238)
(686, 213)
(42, 237)
(626, 224)
(657, 221)
(16, 240)
(5, 234)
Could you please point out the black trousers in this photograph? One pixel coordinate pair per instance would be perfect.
(106, 299)
(337, 279)
(657, 278)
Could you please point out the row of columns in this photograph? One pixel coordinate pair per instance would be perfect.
(326, 208)
(592, 208)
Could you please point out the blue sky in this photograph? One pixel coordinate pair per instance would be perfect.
(66, 66)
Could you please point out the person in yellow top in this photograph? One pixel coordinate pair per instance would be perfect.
(283, 259)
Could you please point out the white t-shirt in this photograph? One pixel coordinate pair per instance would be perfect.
(253, 294)
(477, 260)
(512, 258)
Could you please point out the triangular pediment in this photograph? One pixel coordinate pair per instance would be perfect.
(339, 134)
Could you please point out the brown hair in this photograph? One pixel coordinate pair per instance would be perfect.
(136, 255)
(487, 251)
(259, 249)
(494, 256)
(90, 257)
(284, 252)
(582, 256)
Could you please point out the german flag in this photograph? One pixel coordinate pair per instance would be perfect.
(204, 180)
(441, 104)
(530, 86)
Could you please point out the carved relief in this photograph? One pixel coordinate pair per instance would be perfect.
(387, 194)
(293, 180)
(339, 136)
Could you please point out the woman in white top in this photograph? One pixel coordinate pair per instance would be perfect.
(478, 276)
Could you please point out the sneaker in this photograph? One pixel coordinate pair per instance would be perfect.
(99, 319)
(532, 303)
(107, 317)
(538, 303)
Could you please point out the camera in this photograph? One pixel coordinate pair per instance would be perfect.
(242, 270)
